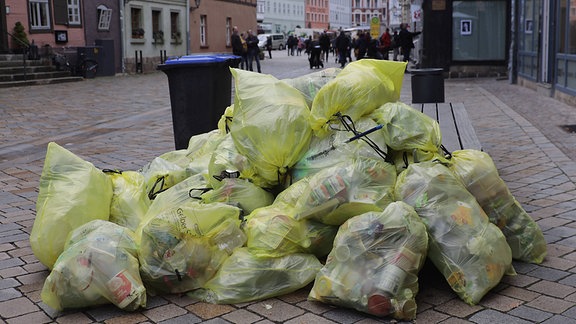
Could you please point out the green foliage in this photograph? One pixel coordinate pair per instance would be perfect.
(19, 33)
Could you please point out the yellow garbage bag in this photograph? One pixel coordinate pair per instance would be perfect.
(72, 192)
(226, 161)
(245, 277)
(241, 193)
(271, 124)
(161, 174)
(361, 87)
(338, 193)
(311, 83)
(182, 248)
(334, 148)
(98, 266)
(479, 175)
(374, 264)
(129, 200)
(469, 251)
(405, 128)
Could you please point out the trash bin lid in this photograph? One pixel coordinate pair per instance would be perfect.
(427, 71)
(195, 59)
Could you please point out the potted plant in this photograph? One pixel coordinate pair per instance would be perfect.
(158, 37)
(19, 38)
(138, 33)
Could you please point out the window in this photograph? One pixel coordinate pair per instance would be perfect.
(136, 22)
(487, 22)
(175, 34)
(157, 32)
(228, 31)
(203, 40)
(74, 12)
(104, 17)
(39, 15)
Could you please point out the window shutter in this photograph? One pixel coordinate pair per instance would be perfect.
(60, 12)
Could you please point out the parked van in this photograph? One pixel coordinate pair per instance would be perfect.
(278, 41)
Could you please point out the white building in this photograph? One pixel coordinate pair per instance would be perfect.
(340, 14)
(280, 16)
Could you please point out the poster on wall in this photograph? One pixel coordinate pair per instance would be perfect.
(529, 26)
(465, 27)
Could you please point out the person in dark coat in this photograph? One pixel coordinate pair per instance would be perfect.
(269, 45)
(253, 51)
(325, 45)
(343, 47)
(406, 39)
(238, 48)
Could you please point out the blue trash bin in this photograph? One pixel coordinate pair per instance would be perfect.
(200, 90)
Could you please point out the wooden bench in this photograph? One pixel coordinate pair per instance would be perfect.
(455, 126)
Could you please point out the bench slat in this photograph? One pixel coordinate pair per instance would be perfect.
(455, 126)
(465, 129)
(448, 127)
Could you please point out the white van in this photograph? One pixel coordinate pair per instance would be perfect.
(278, 41)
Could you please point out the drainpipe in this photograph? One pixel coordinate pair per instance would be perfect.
(121, 4)
(187, 27)
(513, 50)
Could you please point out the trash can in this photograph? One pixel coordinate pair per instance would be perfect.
(427, 85)
(200, 90)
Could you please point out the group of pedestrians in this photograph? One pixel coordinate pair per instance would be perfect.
(364, 46)
(246, 46)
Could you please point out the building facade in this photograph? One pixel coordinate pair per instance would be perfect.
(544, 47)
(128, 36)
(280, 16)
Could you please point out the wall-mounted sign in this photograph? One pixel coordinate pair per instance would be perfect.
(61, 36)
(438, 4)
(465, 27)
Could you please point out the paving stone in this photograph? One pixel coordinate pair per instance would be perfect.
(550, 304)
(500, 302)
(458, 308)
(9, 293)
(519, 280)
(559, 319)
(431, 316)
(552, 289)
(164, 312)
(17, 307)
(490, 316)
(531, 314)
(548, 274)
(241, 316)
(519, 293)
(207, 311)
(344, 316)
(74, 318)
(570, 312)
(36, 317)
(189, 318)
(275, 310)
(315, 307)
(309, 318)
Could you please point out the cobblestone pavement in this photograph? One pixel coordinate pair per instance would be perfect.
(123, 122)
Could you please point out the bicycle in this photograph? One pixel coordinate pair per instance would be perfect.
(81, 66)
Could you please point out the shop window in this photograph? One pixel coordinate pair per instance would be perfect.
(479, 30)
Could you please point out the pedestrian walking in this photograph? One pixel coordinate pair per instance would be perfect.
(343, 47)
(269, 45)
